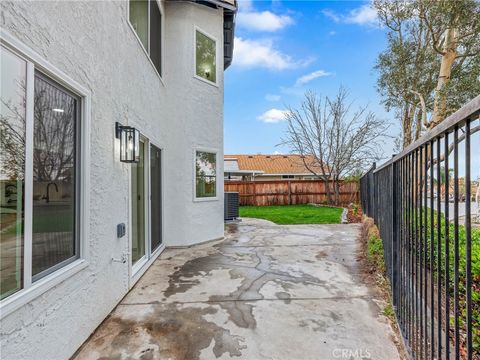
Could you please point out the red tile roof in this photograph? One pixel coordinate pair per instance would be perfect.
(276, 164)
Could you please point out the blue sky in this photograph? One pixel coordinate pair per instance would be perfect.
(284, 48)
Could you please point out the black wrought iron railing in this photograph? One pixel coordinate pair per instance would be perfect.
(425, 202)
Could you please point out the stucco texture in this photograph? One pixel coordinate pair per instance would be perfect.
(94, 45)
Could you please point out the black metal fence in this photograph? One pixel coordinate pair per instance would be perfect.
(425, 202)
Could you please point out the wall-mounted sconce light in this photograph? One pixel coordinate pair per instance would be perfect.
(129, 143)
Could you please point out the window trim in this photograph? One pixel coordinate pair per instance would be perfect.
(78, 160)
(210, 198)
(162, 37)
(31, 290)
(195, 29)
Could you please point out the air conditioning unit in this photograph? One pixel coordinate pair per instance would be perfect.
(231, 204)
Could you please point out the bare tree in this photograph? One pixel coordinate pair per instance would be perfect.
(339, 140)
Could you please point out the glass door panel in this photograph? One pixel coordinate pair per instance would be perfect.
(138, 206)
(156, 198)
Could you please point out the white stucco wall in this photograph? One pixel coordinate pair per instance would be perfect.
(93, 44)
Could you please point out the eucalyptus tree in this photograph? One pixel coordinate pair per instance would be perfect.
(431, 65)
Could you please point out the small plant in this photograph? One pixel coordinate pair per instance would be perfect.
(355, 209)
(389, 312)
(375, 249)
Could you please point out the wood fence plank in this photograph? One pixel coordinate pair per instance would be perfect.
(285, 192)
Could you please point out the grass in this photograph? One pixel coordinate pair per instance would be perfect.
(54, 218)
(294, 214)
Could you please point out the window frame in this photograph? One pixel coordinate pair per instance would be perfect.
(162, 37)
(136, 271)
(77, 159)
(208, 198)
(32, 289)
(195, 29)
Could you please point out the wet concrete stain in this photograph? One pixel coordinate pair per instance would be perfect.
(253, 277)
(321, 254)
(171, 331)
(217, 322)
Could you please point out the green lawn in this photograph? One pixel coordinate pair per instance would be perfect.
(294, 214)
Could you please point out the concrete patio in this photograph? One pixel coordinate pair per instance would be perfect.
(265, 292)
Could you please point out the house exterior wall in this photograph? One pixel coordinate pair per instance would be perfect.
(93, 43)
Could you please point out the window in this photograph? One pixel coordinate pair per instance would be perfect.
(56, 113)
(46, 170)
(288, 176)
(12, 171)
(205, 57)
(146, 19)
(205, 174)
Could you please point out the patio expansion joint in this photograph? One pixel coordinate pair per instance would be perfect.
(325, 298)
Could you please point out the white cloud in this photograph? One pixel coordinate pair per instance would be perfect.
(363, 15)
(261, 53)
(263, 21)
(272, 97)
(302, 80)
(273, 116)
(266, 20)
(332, 15)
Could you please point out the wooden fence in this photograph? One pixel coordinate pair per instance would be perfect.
(289, 192)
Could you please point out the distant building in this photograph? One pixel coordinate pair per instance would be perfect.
(271, 167)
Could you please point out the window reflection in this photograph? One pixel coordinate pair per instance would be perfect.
(206, 174)
(205, 57)
(12, 164)
(54, 157)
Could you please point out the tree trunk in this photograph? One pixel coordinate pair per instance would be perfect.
(448, 58)
(327, 190)
(336, 189)
(418, 124)
(407, 127)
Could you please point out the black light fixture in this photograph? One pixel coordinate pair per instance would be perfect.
(129, 143)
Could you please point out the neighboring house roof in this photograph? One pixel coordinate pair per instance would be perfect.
(231, 168)
(275, 164)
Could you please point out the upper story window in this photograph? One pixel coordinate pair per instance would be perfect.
(205, 174)
(39, 174)
(146, 19)
(205, 57)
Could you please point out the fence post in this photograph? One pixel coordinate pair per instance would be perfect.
(394, 250)
(373, 197)
(289, 192)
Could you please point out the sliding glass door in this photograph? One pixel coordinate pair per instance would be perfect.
(138, 207)
(146, 204)
(155, 198)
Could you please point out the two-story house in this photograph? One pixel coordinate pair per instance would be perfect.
(111, 139)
